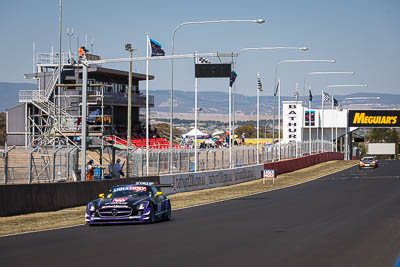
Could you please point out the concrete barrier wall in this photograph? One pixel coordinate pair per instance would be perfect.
(28, 198)
(201, 180)
(290, 165)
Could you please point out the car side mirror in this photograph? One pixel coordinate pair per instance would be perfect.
(101, 195)
(158, 194)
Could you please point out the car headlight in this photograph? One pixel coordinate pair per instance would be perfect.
(143, 205)
(92, 208)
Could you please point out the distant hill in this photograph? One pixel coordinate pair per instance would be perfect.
(217, 102)
(210, 102)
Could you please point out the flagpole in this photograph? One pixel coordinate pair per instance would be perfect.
(230, 126)
(258, 117)
(279, 117)
(273, 124)
(322, 123)
(336, 129)
(309, 119)
(147, 104)
(296, 95)
(335, 122)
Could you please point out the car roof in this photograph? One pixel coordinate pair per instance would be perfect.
(368, 157)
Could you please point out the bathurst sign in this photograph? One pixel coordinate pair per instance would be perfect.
(374, 118)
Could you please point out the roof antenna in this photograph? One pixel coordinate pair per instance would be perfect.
(91, 46)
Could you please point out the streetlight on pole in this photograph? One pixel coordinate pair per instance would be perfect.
(256, 49)
(340, 85)
(279, 92)
(258, 21)
(128, 47)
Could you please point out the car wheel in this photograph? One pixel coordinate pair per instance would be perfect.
(168, 216)
(152, 215)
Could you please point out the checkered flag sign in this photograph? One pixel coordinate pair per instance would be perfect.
(340, 107)
(203, 60)
(326, 96)
(296, 92)
(259, 84)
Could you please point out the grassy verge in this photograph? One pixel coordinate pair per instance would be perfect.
(75, 216)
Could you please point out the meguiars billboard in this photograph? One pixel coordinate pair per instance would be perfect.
(374, 118)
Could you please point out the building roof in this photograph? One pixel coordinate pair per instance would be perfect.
(123, 74)
(106, 71)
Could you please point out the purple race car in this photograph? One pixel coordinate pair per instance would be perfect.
(140, 202)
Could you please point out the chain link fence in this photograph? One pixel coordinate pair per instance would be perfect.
(62, 163)
(183, 160)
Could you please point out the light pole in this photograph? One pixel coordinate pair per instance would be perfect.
(304, 85)
(340, 85)
(258, 21)
(279, 92)
(257, 49)
(128, 47)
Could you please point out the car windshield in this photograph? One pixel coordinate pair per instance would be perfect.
(126, 191)
(367, 159)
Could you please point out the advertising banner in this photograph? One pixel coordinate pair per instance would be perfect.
(374, 118)
(310, 118)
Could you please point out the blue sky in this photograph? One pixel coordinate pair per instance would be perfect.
(362, 36)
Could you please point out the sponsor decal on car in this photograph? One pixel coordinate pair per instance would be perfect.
(130, 188)
(120, 200)
(113, 206)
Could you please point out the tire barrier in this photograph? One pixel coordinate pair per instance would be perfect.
(290, 165)
(28, 198)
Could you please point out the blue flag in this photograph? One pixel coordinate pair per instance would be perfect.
(156, 49)
(233, 78)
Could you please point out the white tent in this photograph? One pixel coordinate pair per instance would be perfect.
(217, 132)
(194, 132)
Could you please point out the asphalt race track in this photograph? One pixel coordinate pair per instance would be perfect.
(351, 218)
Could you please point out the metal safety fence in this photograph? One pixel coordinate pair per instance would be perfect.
(61, 163)
(183, 160)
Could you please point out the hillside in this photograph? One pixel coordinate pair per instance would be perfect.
(210, 102)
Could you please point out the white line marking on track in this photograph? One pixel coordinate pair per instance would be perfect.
(194, 206)
(45, 230)
(319, 177)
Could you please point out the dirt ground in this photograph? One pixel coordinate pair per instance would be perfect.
(75, 216)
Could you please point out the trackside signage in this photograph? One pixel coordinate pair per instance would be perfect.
(374, 118)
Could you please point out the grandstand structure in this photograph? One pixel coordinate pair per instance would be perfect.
(47, 122)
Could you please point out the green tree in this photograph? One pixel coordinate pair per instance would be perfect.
(249, 131)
